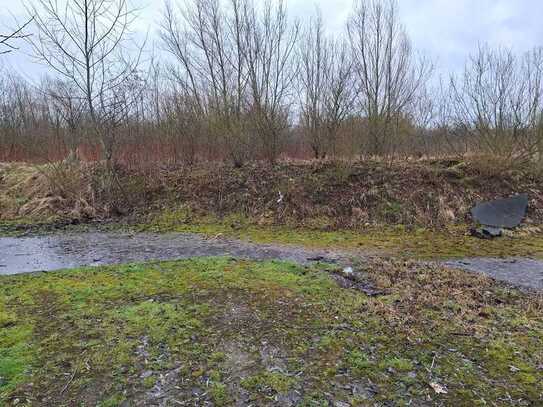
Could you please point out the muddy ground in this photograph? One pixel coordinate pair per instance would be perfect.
(70, 250)
(521, 272)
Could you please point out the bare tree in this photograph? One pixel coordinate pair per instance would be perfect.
(17, 114)
(69, 111)
(325, 77)
(498, 104)
(235, 62)
(272, 70)
(6, 40)
(86, 42)
(388, 74)
(207, 41)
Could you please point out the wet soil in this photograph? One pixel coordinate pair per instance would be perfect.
(521, 272)
(69, 250)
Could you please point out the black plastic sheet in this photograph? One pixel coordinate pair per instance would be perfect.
(501, 213)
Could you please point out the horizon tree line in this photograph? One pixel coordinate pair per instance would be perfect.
(244, 81)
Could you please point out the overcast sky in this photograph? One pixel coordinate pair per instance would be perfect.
(447, 30)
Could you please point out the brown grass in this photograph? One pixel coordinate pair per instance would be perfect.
(324, 195)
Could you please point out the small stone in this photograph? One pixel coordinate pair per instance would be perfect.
(486, 232)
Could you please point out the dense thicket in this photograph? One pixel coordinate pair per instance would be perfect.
(238, 81)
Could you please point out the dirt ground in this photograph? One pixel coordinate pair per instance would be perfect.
(303, 284)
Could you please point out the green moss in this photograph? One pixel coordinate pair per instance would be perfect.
(149, 382)
(215, 325)
(358, 362)
(399, 364)
(15, 350)
(329, 342)
(113, 401)
(215, 375)
(452, 242)
(266, 381)
(217, 357)
(219, 394)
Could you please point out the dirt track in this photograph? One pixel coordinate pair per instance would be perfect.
(517, 271)
(69, 250)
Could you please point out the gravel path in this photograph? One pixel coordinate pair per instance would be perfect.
(69, 250)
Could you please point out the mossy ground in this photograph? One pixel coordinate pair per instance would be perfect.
(412, 242)
(221, 331)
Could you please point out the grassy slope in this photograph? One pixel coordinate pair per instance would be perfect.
(422, 204)
(317, 195)
(230, 330)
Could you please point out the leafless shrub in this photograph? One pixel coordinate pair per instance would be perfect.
(244, 82)
(270, 50)
(211, 71)
(234, 65)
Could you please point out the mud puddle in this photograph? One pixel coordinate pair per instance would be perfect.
(53, 252)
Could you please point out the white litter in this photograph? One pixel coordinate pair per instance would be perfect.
(348, 270)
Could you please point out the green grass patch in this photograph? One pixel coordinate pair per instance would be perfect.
(15, 349)
(267, 382)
